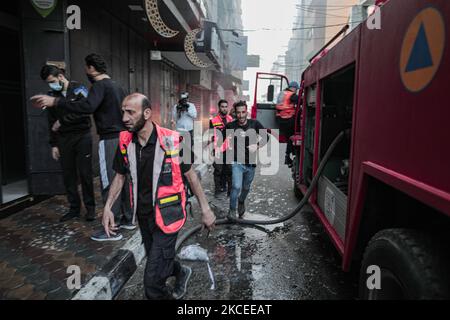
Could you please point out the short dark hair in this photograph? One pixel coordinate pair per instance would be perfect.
(49, 70)
(96, 61)
(222, 101)
(146, 104)
(240, 104)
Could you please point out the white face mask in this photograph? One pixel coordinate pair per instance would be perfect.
(57, 87)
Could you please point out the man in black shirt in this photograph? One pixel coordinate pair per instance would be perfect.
(160, 246)
(71, 142)
(145, 156)
(247, 136)
(104, 102)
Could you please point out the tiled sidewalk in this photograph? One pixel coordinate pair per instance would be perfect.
(36, 250)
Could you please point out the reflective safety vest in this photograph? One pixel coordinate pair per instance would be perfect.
(219, 125)
(169, 193)
(286, 109)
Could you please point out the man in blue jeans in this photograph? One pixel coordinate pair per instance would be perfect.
(247, 137)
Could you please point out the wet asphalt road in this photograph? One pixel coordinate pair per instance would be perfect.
(293, 261)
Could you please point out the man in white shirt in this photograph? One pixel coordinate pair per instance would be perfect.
(184, 114)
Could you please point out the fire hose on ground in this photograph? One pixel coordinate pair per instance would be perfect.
(234, 221)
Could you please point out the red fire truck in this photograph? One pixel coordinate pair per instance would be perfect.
(384, 196)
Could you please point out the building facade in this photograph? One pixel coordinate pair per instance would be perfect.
(228, 17)
(139, 59)
(317, 22)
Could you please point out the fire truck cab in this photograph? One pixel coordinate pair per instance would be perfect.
(384, 196)
(268, 92)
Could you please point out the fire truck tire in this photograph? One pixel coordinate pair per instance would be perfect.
(413, 267)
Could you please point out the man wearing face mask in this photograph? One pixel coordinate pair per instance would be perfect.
(104, 102)
(71, 142)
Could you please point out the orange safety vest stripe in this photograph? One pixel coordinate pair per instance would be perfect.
(171, 198)
(218, 124)
(286, 109)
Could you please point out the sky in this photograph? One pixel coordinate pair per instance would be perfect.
(267, 14)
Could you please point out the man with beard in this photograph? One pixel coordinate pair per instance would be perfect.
(150, 155)
(222, 170)
(104, 102)
(247, 136)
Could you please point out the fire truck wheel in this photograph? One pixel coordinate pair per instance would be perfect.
(412, 264)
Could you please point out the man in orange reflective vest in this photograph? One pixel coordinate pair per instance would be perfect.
(222, 170)
(286, 109)
(151, 157)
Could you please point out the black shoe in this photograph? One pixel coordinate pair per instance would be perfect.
(101, 236)
(70, 216)
(288, 161)
(181, 283)
(241, 209)
(232, 214)
(128, 226)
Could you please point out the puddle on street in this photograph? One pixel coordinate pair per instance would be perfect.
(244, 262)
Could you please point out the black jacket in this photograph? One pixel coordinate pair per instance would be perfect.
(105, 102)
(241, 140)
(71, 123)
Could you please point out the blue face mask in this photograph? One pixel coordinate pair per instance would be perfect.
(57, 87)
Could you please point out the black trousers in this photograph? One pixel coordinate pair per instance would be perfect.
(161, 263)
(76, 161)
(122, 207)
(222, 176)
(287, 129)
